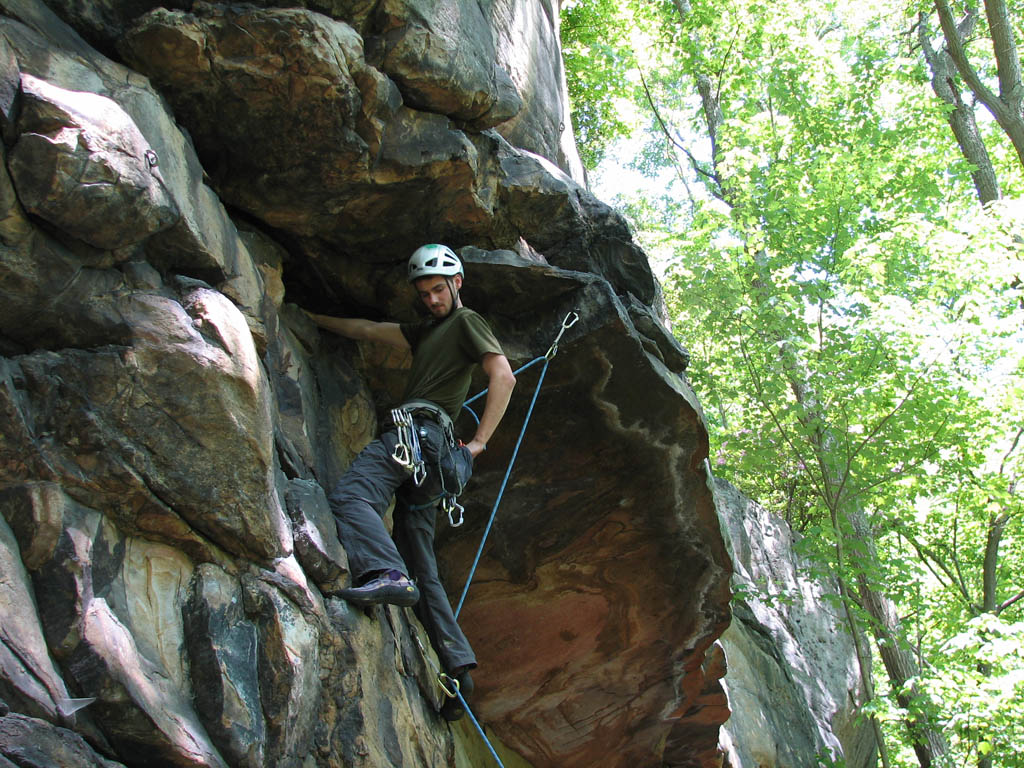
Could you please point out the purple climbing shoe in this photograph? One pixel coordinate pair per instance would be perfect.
(390, 587)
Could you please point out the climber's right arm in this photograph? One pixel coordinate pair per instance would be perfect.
(363, 330)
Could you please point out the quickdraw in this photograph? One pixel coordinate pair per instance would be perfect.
(407, 451)
(566, 325)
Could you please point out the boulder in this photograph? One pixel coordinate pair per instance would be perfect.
(222, 647)
(27, 741)
(313, 528)
(527, 40)
(288, 670)
(181, 412)
(81, 163)
(113, 620)
(286, 114)
(443, 59)
(28, 678)
(250, 84)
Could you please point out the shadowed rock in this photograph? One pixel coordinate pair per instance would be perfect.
(127, 427)
(113, 618)
(222, 647)
(25, 741)
(288, 669)
(313, 529)
(28, 678)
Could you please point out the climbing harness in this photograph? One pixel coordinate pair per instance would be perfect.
(569, 321)
(409, 434)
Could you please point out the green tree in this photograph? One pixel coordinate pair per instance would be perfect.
(598, 60)
(815, 275)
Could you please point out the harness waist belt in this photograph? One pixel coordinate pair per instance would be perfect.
(430, 410)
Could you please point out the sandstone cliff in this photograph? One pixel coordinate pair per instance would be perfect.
(178, 182)
(793, 683)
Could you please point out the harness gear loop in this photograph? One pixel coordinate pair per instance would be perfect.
(407, 451)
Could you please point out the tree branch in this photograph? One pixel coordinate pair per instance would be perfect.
(961, 118)
(1007, 603)
(1005, 49)
(1006, 107)
(956, 51)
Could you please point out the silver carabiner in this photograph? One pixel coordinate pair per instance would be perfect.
(403, 447)
(401, 455)
(450, 506)
(419, 473)
(566, 325)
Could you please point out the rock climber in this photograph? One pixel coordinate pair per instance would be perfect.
(417, 459)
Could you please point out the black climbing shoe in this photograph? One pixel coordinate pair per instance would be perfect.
(453, 709)
(385, 588)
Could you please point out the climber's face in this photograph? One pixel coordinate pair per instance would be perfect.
(439, 294)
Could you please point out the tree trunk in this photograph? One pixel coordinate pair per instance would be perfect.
(1006, 106)
(900, 665)
(837, 493)
(961, 118)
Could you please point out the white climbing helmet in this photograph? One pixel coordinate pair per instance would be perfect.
(433, 259)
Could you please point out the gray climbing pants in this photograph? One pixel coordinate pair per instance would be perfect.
(359, 501)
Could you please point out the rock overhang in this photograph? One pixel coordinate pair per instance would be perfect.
(604, 580)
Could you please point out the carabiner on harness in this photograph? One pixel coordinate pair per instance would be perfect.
(407, 451)
(451, 507)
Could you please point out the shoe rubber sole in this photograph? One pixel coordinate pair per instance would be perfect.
(404, 596)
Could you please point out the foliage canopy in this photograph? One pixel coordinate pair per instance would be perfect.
(854, 314)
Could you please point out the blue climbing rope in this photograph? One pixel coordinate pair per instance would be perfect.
(483, 392)
(546, 357)
(479, 728)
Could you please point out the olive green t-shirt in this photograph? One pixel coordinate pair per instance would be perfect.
(443, 355)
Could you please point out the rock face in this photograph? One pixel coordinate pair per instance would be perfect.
(793, 682)
(172, 192)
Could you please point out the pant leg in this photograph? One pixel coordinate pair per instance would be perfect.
(414, 535)
(359, 502)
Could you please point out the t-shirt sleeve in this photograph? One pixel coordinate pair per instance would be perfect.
(477, 337)
(413, 333)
